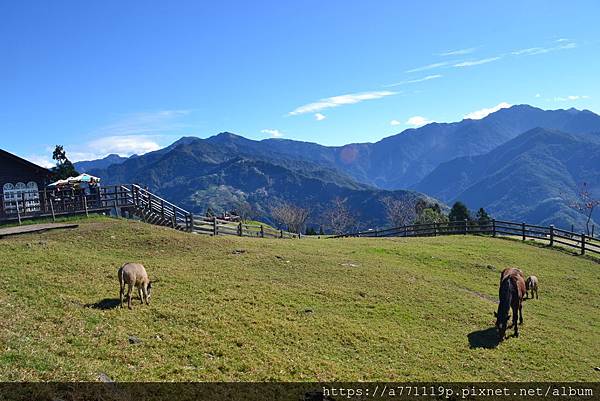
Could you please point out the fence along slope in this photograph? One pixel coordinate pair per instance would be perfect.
(580, 241)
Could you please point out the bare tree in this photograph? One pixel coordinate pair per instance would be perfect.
(338, 216)
(245, 211)
(585, 204)
(291, 216)
(399, 212)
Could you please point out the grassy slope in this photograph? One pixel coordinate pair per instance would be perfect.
(348, 309)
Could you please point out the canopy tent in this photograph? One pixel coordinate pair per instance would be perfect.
(76, 180)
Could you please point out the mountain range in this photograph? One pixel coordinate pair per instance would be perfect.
(519, 163)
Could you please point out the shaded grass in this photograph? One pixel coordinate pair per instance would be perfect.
(229, 308)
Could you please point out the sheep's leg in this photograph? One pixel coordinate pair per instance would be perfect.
(129, 290)
(145, 291)
(121, 293)
(140, 295)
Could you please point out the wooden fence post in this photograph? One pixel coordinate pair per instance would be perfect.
(551, 235)
(52, 210)
(593, 225)
(18, 212)
(466, 222)
(85, 206)
(493, 227)
(240, 229)
(190, 228)
(435, 229)
(523, 230)
(262, 231)
(583, 243)
(280, 233)
(215, 227)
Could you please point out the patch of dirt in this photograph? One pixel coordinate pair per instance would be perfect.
(479, 295)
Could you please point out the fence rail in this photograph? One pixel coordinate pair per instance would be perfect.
(580, 241)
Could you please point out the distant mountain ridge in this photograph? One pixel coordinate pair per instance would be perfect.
(201, 174)
(529, 178)
(405, 160)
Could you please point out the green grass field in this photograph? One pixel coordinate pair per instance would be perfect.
(243, 309)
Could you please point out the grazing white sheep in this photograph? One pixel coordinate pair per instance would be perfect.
(134, 275)
(531, 284)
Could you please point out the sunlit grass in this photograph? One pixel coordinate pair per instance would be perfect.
(229, 308)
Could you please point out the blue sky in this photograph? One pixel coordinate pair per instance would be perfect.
(131, 76)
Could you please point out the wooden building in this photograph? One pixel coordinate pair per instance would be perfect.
(20, 181)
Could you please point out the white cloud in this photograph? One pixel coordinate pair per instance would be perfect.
(395, 122)
(479, 114)
(337, 101)
(122, 145)
(417, 121)
(570, 98)
(319, 117)
(135, 133)
(538, 95)
(412, 81)
(429, 66)
(531, 51)
(477, 62)
(43, 161)
(275, 133)
(459, 52)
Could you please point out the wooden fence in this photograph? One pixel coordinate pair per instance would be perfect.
(215, 226)
(580, 241)
(127, 201)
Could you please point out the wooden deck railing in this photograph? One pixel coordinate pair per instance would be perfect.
(126, 200)
(580, 241)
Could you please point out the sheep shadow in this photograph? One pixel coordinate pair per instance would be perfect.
(487, 338)
(105, 304)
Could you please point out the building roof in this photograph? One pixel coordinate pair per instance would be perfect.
(17, 159)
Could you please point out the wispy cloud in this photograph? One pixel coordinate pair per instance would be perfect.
(412, 81)
(336, 101)
(275, 133)
(144, 123)
(418, 121)
(479, 114)
(563, 44)
(570, 98)
(459, 52)
(134, 133)
(319, 117)
(429, 66)
(471, 63)
(395, 122)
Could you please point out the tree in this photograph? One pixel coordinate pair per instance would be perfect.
(585, 204)
(399, 212)
(245, 211)
(338, 216)
(64, 168)
(459, 212)
(483, 218)
(291, 216)
(310, 231)
(431, 215)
